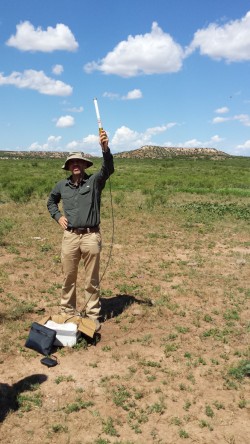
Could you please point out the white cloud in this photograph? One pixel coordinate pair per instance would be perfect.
(152, 53)
(195, 143)
(91, 139)
(160, 129)
(220, 119)
(244, 119)
(28, 38)
(52, 144)
(245, 145)
(216, 139)
(243, 149)
(230, 41)
(65, 122)
(132, 95)
(89, 144)
(222, 110)
(126, 139)
(111, 95)
(36, 80)
(74, 145)
(57, 69)
(75, 110)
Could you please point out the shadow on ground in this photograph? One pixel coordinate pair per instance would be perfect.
(114, 306)
(9, 393)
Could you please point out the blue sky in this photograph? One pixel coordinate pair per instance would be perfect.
(165, 72)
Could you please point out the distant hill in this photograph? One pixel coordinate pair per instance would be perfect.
(36, 154)
(146, 151)
(159, 152)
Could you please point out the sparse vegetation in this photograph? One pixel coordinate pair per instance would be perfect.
(172, 358)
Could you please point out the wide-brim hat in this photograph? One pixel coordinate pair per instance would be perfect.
(78, 156)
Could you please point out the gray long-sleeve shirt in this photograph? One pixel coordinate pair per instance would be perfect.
(81, 204)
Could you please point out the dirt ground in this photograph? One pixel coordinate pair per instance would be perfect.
(168, 365)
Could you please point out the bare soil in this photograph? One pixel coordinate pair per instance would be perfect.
(175, 323)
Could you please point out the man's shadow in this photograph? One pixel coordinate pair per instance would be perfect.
(9, 393)
(114, 306)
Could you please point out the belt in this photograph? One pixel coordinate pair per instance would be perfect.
(84, 230)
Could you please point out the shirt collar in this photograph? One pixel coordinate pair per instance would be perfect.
(71, 183)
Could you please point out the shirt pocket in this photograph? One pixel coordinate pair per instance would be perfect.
(85, 194)
(68, 193)
(84, 190)
(68, 198)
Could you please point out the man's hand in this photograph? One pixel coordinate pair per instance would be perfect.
(63, 222)
(103, 140)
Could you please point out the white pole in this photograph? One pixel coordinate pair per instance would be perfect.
(98, 115)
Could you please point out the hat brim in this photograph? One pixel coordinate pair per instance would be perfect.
(87, 162)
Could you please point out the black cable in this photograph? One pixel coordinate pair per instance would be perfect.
(113, 232)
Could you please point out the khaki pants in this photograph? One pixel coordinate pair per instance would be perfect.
(74, 247)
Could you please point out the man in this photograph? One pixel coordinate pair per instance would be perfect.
(81, 198)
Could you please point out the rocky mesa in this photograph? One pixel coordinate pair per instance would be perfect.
(159, 152)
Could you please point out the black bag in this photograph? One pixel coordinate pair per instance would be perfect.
(40, 339)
